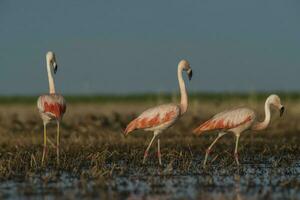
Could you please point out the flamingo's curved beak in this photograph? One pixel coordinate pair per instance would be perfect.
(190, 74)
(281, 110)
(55, 67)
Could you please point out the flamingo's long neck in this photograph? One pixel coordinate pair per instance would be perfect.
(50, 78)
(183, 93)
(266, 122)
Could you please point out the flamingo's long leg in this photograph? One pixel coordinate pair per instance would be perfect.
(45, 144)
(158, 151)
(236, 155)
(210, 147)
(57, 143)
(147, 150)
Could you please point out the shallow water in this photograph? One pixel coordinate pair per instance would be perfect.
(259, 181)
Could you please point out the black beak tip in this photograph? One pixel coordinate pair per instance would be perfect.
(55, 69)
(190, 75)
(282, 109)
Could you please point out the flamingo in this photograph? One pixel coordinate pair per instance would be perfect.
(51, 106)
(159, 118)
(237, 121)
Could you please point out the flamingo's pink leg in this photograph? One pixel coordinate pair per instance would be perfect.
(210, 147)
(147, 150)
(236, 156)
(45, 144)
(158, 152)
(57, 144)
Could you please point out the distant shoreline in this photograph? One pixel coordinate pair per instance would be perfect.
(152, 97)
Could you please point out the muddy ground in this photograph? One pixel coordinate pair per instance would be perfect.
(97, 161)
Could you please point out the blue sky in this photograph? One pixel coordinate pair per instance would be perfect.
(134, 46)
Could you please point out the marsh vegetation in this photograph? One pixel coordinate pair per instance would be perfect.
(98, 161)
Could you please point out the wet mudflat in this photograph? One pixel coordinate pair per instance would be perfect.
(259, 181)
(97, 161)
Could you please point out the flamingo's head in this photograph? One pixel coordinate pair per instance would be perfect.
(276, 102)
(50, 56)
(185, 65)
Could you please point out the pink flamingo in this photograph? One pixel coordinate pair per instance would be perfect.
(238, 121)
(51, 106)
(159, 118)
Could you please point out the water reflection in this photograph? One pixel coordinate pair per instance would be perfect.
(247, 182)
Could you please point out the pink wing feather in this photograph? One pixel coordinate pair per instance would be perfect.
(52, 104)
(226, 120)
(154, 117)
